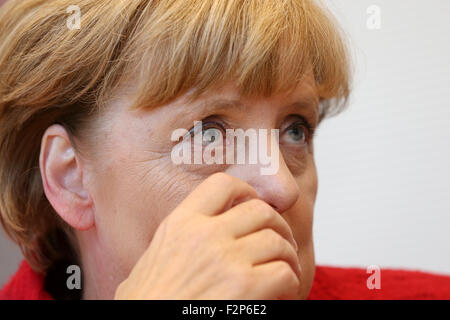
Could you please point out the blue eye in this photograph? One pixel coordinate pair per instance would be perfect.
(296, 133)
(211, 135)
(211, 132)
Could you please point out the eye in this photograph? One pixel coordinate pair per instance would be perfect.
(211, 135)
(211, 132)
(296, 133)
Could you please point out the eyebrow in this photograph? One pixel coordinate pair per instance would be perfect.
(217, 105)
(308, 106)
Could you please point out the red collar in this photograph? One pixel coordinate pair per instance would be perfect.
(26, 284)
(329, 283)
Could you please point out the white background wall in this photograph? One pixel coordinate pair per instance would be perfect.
(384, 164)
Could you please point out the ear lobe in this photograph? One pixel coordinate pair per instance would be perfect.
(62, 178)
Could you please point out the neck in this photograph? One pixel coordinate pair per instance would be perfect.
(100, 273)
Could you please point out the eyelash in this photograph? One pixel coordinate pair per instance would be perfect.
(310, 130)
(301, 121)
(208, 125)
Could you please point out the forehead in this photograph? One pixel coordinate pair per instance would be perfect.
(227, 98)
(305, 91)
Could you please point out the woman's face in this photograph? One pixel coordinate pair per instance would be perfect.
(135, 184)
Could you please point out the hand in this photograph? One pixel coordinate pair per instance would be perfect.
(221, 242)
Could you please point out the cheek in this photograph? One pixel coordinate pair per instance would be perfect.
(300, 217)
(132, 197)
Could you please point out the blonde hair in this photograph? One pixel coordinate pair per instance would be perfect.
(50, 74)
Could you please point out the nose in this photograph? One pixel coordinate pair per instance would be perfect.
(280, 190)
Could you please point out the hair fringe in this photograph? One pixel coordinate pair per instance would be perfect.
(50, 74)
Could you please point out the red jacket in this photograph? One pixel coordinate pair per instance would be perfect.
(329, 283)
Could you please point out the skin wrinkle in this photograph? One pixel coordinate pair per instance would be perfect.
(121, 87)
(168, 182)
(139, 185)
(307, 104)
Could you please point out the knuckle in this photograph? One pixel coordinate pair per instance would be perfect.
(286, 273)
(268, 216)
(222, 179)
(285, 250)
(171, 221)
(164, 229)
(276, 240)
(294, 284)
(269, 235)
(177, 222)
(241, 280)
(263, 209)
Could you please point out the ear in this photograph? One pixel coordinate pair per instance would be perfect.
(62, 178)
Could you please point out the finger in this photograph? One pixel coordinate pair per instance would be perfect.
(254, 215)
(278, 281)
(266, 246)
(216, 194)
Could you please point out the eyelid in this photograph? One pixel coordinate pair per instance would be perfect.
(206, 123)
(209, 123)
(300, 119)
